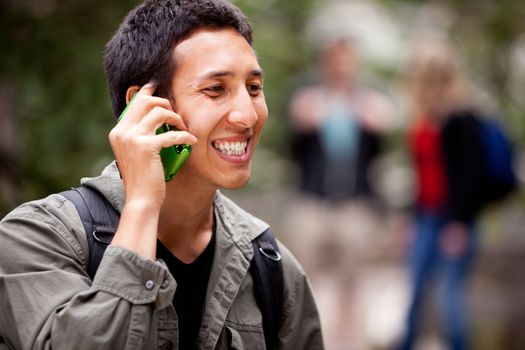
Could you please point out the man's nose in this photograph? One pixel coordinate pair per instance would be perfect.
(243, 111)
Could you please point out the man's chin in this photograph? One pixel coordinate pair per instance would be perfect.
(235, 184)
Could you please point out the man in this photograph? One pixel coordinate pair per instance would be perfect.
(189, 64)
(337, 123)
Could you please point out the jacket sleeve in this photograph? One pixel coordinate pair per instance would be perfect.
(300, 327)
(46, 297)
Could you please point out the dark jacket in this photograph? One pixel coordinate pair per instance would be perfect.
(464, 161)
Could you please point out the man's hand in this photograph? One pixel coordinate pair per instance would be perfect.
(137, 151)
(137, 147)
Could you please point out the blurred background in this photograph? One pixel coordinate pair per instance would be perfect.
(55, 116)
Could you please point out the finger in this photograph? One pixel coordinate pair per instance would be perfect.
(148, 89)
(176, 121)
(160, 116)
(140, 106)
(171, 138)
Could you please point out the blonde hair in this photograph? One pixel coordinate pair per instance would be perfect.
(436, 81)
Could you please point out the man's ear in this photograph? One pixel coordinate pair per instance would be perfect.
(132, 90)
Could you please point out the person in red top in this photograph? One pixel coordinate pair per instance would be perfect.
(446, 154)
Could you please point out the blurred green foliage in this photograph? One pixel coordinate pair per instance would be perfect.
(51, 61)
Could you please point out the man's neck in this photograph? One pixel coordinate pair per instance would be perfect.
(186, 221)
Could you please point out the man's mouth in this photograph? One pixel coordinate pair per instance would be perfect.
(231, 148)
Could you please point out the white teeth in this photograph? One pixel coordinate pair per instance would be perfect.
(232, 148)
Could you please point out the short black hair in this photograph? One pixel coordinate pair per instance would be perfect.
(141, 49)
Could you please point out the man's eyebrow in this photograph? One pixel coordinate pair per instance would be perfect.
(223, 73)
(257, 73)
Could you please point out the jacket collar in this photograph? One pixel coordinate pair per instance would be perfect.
(109, 184)
(240, 226)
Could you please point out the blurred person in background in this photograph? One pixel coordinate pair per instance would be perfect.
(337, 124)
(447, 158)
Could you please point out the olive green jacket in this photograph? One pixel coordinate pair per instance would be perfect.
(47, 300)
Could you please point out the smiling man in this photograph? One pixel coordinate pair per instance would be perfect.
(176, 274)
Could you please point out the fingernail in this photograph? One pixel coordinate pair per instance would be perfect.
(149, 84)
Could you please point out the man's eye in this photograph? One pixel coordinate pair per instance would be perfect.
(214, 90)
(254, 89)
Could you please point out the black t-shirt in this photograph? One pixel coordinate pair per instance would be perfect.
(192, 281)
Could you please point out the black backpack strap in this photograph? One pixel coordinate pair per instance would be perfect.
(100, 221)
(267, 272)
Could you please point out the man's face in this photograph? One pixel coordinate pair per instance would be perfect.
(217, 89)
(342, 61)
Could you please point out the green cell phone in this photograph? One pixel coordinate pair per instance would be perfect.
(174, 157)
